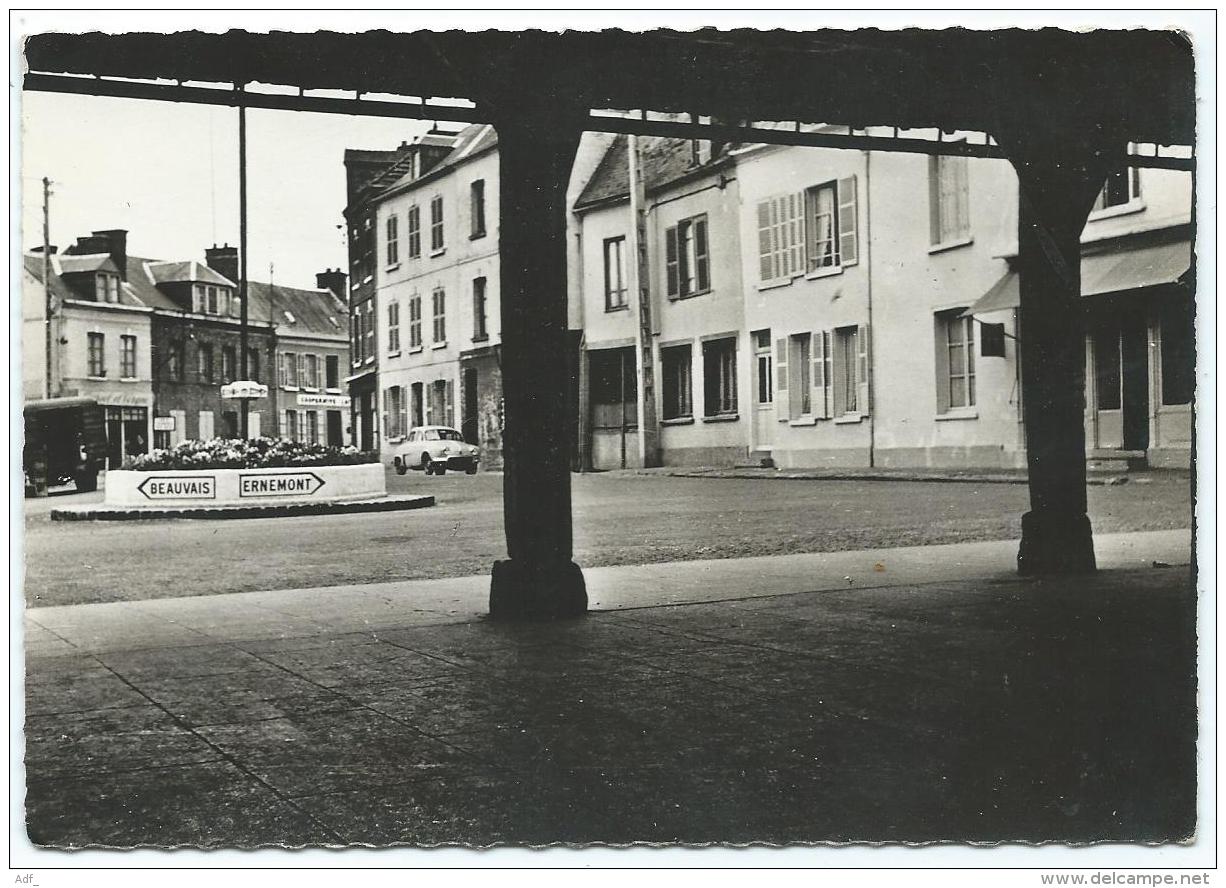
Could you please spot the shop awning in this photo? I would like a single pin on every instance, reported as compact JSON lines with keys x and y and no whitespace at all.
{"x":1103,"y":273}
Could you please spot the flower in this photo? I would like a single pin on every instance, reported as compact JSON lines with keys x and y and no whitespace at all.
{"x":235,"y":453}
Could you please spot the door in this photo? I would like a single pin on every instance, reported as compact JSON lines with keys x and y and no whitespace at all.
{"x":1121,"y":382}
{"x":366,"y":424}
{"x":114,"y":437}
{"x":335,"y":436}
{"x":470,"y":423}
{"x":613,"y":379}
{"x":764,"y":392}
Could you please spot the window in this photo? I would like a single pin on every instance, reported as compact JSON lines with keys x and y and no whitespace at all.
{"x":719,"y":377}
{"x":686,"y":258}
{"x":850,"y":371}
{"x":393,"y":240}
{"x":822,"y":227}
{"x":393,"y":416}
{"x":211,"y":304}
{"x":436,"y":224}
{"x":808,"y":232}
{"x":762,"y":349}
{"x":1107,"y":372}
{"x":415,"y":322}
{"x":393,"y":328}
{"x":127,"y":357}
{"x":289,"y":370}
{"x":799,"y":355}
{"x":310,"y":371}
{"x":227,"y":363}
{"x":1121,"y":188}
{"x":476,"y":196}
{"x":441,"y":406}
{"x":479,"y":331}
{"x":312,"y":427}
{"x":417,"y":405}
{"x":1178,"y":345}
{"x":368,"y":347}
{"x":355,"y":337}
{"x":204,"y":362}
{"x":253,"y":365}
{"x":414,"y":226}
{"x":106,"y":287}
{"x":614,"y":273}
{"x":174,"y":361}
{"x":97,"y":354}
{"x":440,"y":317}
{"x":948,"y":200}
{"x":289,"y":425}
{"x":675,"y":365}
{"x":332,"y":371}
{"x":955,"y":361}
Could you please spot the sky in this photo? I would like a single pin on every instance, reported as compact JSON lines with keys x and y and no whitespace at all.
{"x":168,"y":173}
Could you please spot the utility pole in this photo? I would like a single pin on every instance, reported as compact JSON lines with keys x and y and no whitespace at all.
{"x":242,"y":259}
{"x":645,"y":359}
{"x":48,"y":308}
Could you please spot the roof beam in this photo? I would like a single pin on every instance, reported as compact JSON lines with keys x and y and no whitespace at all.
{"x":132,"y":89}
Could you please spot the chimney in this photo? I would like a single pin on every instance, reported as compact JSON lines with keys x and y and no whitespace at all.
{"x":333,"y":280}
{"x":223,"y":260}
{"x":117,"y":245}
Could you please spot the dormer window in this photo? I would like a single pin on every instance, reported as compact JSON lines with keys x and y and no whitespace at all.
{"x":106,"y":287}
{"x":211,"y":299}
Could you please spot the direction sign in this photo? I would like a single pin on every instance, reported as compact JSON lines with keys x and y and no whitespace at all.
{"x":279,"y":484}
{"x":163,"y":487}
{"x":244,"y":388}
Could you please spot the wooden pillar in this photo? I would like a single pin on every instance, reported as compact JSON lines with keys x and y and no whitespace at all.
{"x":539,"y":581}
{"x":1058,"y":181}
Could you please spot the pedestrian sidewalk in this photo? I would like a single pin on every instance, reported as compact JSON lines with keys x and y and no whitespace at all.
{"x":887,"y":695}
{"x":968,"y":476}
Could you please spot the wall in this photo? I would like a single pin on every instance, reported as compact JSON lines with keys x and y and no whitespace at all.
{"x":806,"y":302}
{"x":193,"y":395}
{"x":33,"y":338}
{"x":912,"y":280}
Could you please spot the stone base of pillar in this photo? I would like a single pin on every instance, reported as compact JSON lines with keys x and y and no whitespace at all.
{"x":1055,"y":544}
{"x":518,"y":592}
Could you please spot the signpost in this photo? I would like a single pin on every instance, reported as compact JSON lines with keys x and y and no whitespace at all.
{"x":279,"y":484}
{"x":244,"y":390}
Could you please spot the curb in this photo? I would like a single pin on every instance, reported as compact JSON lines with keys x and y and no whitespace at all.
{"x":216,"y":513}
{"x":1104,"y":480}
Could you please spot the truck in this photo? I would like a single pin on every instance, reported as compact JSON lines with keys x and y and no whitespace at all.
{"x":65,"y":441}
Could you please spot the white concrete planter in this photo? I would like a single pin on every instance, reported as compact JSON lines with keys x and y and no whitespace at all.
{"x":238,"y":487}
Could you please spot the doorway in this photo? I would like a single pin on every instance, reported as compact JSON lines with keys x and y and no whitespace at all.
{"x":1121,"y":382}
{"x":335,"y":435}
{"x":470,"y":424}
{"x":613,"y":377}
{"x":764,"y":392}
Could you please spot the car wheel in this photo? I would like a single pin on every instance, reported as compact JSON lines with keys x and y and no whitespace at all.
{"x":471,"y":470}
{"x":401,"y":467}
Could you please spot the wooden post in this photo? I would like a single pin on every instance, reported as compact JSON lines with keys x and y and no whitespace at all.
{"x":539,"y":581}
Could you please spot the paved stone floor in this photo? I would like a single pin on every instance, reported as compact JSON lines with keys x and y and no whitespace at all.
{"x":966,"y":708}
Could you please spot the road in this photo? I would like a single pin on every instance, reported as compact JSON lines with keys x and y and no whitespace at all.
{"x":619,"y":519}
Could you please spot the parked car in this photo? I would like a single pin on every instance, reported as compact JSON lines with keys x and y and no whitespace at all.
{"x":435,"y":449}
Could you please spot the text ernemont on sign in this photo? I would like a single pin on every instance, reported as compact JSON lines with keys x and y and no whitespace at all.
{"x":283,"y":484}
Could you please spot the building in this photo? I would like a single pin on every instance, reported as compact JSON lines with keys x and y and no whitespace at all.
{"x":366,"y":174}
{"x":100,"y":334}
{"x":437,"y":290}
{"x":693,"y":330}
{"x":889,"y":279}
{"x":312,"y":352}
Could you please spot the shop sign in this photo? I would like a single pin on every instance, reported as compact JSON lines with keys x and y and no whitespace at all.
{"x":309,"y":400}
{"x":158,"y":487}
{"x":280,"y":484}
{"x":163,"y":423}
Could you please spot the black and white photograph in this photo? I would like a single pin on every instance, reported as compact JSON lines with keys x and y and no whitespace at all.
{"x":442,"y":437}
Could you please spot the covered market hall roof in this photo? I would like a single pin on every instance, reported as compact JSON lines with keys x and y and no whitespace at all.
{"x":1138,"y":83}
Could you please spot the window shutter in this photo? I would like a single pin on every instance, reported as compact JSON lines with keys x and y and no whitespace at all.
{"x":821,"y":404}
{"x":849,"y":253}
{"x":934,"y":199}
{"x":764,"y":241}
{"x":864,"y":368}
{"x":795,"y":226}
{"x":782,"y":400}
{"x":700,"y":254}
{"x":282,"y":422}
{"x":828,"y":356}
{"x":671,"y":251}
{"x":451,"y":402}
{"x":301,"y":371}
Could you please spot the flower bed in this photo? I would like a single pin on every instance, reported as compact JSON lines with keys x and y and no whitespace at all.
{"x":258,"y":453}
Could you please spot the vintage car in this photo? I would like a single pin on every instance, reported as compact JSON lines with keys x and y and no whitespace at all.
{"x":435,"y":449}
